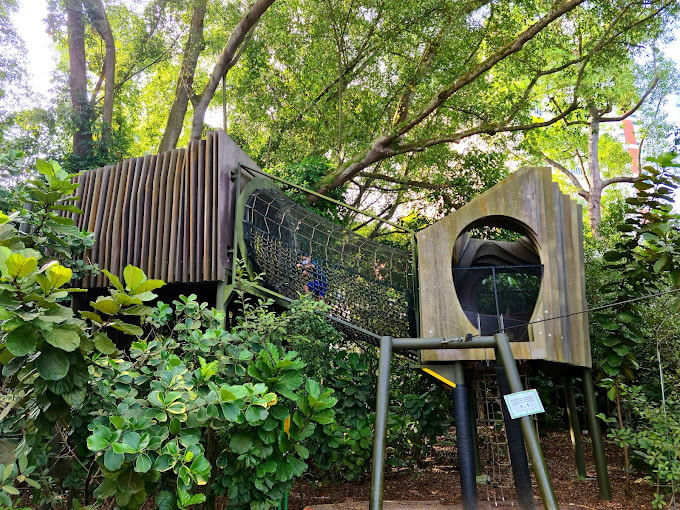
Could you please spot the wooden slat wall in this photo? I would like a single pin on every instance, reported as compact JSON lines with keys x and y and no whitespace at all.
{"x":170,"y":214}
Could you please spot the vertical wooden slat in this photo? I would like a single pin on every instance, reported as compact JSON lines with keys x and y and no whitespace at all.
{"x":190,"y":198}
{"x":199,"y":201}
{"x":182,"y":252}
{"x":214,"y":177}
{"x":159,"y":217}
{"x":145,"y":210}
{"x":92,"y":221}
{"x":116,"y":261}
{"x":131,"y":220}
{"x":222,"y":212}
{"x":81,"y":180}
{"x":207,"y":202}
{"x":167,"y":218}
{"x":175,"y":219}
{"x":107,"y":221}
{"x":125,"y":232}
{"x":154,"y":226}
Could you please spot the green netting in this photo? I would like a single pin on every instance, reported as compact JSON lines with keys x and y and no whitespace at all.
{"x":365,"y":283}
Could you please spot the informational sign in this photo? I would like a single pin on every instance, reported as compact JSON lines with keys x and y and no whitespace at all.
{"x":523,"y":403}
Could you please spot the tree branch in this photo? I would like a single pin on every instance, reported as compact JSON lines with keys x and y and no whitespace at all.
{"x":405,"y":182}
{"x":574,"y":180}
{"x":516,"y":45}
{"x":637,"y":105}
{"x":225,"y":62}
{"x":383,"y":147}
{"x":617,"y":180}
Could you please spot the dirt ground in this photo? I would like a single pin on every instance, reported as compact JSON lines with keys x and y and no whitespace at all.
{"x":438,"y":480}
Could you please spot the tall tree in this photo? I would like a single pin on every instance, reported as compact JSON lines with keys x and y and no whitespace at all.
{"x":194,"y":46}
{"x":616,"y":84}
{"x":382,"y":88}
{"x":185,"y":80}
{"x":590,"y":160}
{"x":84,"y":104}
{"x":12,"y":58}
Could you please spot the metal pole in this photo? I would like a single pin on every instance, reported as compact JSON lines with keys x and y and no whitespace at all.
{"x":464,"y":439}
{"x":596,"y":436}
{"x":516,"y":448}
{"x":504,"y":355}
{"x":574,"y":427}
{"x":472,"y":406}
{"x":379,"y":439}
{"x":416,"y":344}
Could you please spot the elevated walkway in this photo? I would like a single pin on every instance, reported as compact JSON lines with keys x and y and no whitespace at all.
{"x":367,"y":285}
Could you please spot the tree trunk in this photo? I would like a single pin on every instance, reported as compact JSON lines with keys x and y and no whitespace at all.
{"x":185,"y":81}
{"x":227,"y":60}
{"x":97,"y":14}
{"x":595,"y":197}
{"x":77,"y":80}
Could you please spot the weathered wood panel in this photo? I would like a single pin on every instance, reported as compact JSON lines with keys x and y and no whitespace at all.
{"x":170,"y":214}
{"x":528,"y":202}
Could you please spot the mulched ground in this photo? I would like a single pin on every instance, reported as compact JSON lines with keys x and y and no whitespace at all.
{"x":437,"y":480}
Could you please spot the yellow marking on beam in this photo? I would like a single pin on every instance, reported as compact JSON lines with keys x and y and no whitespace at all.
{"x":440,"y":377}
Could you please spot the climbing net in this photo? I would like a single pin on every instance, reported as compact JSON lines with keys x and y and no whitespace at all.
{"x":365,"y":283}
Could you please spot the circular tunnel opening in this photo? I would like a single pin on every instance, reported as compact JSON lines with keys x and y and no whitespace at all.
{"x":497,"y":274}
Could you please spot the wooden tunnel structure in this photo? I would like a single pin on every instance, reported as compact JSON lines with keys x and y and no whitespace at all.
{"x":550,"y":227}
{"x":187,"y":215}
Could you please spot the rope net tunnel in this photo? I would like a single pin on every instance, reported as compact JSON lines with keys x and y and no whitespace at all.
{"x":366,"y":284}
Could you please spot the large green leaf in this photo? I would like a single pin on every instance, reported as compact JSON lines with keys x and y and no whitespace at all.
{"x":63,"y":336}
{"x":114,"y":280}
{"x":103,"y":343}
{"x":112,"y":460}
{"x":134,"y":277}
{"x":324,"y":417}
{"x":232,"y":393}
{"x":143,"y":463}
{"x":255,"y":414}
{"x":59,"y":275}
{"x":148,"y":286}
{"x":127,"y":328}
{"x":19,"y":266}
{"x":105,"y":304}
{"x":241,"y":443}
{"x":22,"y":340}
{"x":52,"y":364}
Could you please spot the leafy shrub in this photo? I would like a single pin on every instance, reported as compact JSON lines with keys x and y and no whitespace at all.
{"x":652,"y":436}
{"x":188,"y":405}
{"x":418,"y":411}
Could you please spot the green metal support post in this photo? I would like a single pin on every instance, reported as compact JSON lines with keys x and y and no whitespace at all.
{"x":574,"y":427}
{"x":545,"y":487}
{"x":596,"y":436}
{"x":379,"y":439}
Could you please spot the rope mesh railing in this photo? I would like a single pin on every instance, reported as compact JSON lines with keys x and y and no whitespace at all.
{"x":365,"y":283}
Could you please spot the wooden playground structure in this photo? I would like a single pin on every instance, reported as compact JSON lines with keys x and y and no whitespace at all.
{"x":187,"y":216}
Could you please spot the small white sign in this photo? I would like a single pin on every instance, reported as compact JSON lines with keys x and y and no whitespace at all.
{"x":523,"y":403}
